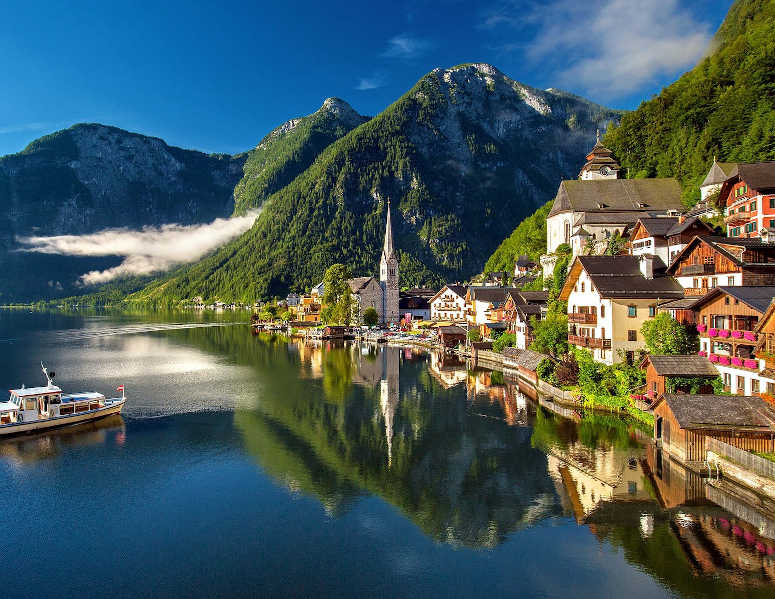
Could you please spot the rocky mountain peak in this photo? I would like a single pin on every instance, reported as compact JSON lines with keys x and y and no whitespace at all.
{"x":341,"y":110}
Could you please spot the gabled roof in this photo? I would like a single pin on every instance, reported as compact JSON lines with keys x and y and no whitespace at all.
{"x":459,"y":290}
{"x":618,"y":195}
{"x":708,"y":411}
{"x":620,"y":277}
{"x":684,"y":365}
{"x":540,"y":297}
{"x":358,"y":284}
{"x":451,"y":330}
{"x":722,"y":245}
{"x":768,"y":313}
{"x":525,"y":261}
{"x":756,"y":297}
{"x":608,"y":217}
{"x":719,"y":172}
{"x":687,"y":224}
{"x":489,"y":294}
{"x":685,"y":303}
{"x":657,"y":226}
{"x":759,"y":175}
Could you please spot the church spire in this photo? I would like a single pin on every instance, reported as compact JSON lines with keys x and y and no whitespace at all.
{"x":387,"y":249}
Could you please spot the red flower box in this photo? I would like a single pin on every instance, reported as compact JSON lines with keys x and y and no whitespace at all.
{"x":723,"y":360}
{"x":701,"y":328}
{"x":737,"y":334}
{"x":749,"y":335}
{"x":713,"y":358}
{"x":702,"y":353}
{"x":712,"y":332}
{"x":723,"y":333}
{"x":750,"y":364}
{"x":737,"y":361}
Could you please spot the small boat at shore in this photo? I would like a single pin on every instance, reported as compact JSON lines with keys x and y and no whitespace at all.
{"x":38,"y":408}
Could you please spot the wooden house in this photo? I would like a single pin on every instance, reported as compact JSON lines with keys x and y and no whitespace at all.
{"x":748,"y":199}
{"x":451,"y":336}
{"x":765,"y":349}
{"x":660,"y":369}
{"x":682,"y":422}
{"x":711,"y":261}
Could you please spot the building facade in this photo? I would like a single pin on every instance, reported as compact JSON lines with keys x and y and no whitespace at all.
{"x":748,"y":199}
{"x":449,"y":304}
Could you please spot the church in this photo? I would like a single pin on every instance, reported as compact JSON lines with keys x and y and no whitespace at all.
{"x":381,"y":295}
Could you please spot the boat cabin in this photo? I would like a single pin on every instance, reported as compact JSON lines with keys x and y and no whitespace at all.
{"x":41,"y":403}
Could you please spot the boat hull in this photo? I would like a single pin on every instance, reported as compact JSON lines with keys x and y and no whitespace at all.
{"x":20,"y":428}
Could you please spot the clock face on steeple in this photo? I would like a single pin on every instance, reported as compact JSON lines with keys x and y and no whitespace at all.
{"x":605,"y":171}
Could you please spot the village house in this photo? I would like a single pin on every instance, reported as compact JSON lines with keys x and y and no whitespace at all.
{"x":449,"y":304}
{"x":609,"y":298}
{"x":523,"y":266}
{"x":727,"y":319}
{"x":293,"y":299}
{"x":665,"y":236}
{"x":748,"y":199}
{"x":765,"y":350}
{"x":481,"y":300}
{"x":518,"y":310}
{"x":683,"y":422}
{"x":711,"y":261}
{"x":414,"y":304}
{"x":674,"y":374}
{"x":308,"y":309}
{"x":717,"y":175}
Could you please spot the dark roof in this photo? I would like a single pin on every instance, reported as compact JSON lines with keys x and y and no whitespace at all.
{"x":686,"y":224}
{"x":459,"y":290}
{"x":689,"y":365}
{"x":420,"y":291}
{"x":719,"y":172}
{"x":620,"y":276}
{"x":757,"y":297}
{"x":539,"y":297}
{"x":703,"y":411}
{"x":526,"y":310}
{"x":413,"y":302}
{"x":498,"y":325}
{"x":658,"y":227}
{"x":485,"y":293}
{"x":618,"y":194}
{"x":608,"y":217}
{"x":451,"y":330}
{"x":525,"y":261}
{"x":359,"y":283}
{"x":485,"y":345}
{"x":718,"y":243}
{"x":529,"y":359}
{"x":685,"y":303}
{"x":759,"y":175}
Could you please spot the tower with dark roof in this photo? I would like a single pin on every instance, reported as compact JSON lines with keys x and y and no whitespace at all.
{"x":601,"y":163}
{"x":388,"y":275}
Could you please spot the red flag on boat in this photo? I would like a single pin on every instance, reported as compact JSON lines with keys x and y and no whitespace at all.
{"x":120,"y":388}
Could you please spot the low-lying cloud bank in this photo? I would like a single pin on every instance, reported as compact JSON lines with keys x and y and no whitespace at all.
{"x":149,"y":250}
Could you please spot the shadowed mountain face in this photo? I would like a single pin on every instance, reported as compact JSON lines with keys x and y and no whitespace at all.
{"x":463,"y":156}
{"x":92,"y":177}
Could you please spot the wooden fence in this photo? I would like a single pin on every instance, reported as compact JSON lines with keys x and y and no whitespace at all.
{"x":748,"y":460}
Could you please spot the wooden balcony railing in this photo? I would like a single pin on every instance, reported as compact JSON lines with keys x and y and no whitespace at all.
{"x":697,"y":269}
{"x":589,"y":342}
{"x":582,"y":318}
{"x":738,"y":217}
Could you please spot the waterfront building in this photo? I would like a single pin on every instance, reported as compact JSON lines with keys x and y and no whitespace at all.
{"x":661,"y":369}
{"x":415,"y":303}
{"x":308,"y":309}
{"x":748,"y":199}
{"x":609,"y":298}
{"x":765,"y":349}
{"x":711,"y":261}
{"x":481,"y":300}
{"x":519,"y":309}
{"x":449,"y":304}
{"x":683,"y":422}
{"x":727,"y":320}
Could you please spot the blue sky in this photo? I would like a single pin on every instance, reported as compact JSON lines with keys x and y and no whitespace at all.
{"x":218,"y":76}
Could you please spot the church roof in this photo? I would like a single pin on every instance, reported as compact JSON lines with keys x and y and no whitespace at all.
{"x":358,"y":284}
{"x":388,"y":250}
{"x":719,"y":172}
{"x":637,"y":195}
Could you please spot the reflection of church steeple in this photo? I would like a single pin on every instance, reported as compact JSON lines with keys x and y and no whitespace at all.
{"x":389,"y":395}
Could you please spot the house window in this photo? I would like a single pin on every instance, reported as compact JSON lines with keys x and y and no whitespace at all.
{"x":630,"y":357}
{"x":730,"y":281}
{"x":602,"y":311}
{"x":602,"y":332}
{"x":582,"y":287}
{"x":632,"y":311}
{"x":741,"y":384}
{"x":754,"y":385}
{"x":772,"y":202}
{"x":726,"y":300}
{"x":654,"y":387}
{"x":652,"y":311}
{"x":772,"y":223}
{"x":695,"y":283}
{"x":727,"y":379}
{"x":753,"y":206}
{"x":632,"y":335}
{"x":591,"y":286}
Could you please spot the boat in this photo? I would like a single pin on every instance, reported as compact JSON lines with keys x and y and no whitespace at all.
{"x":31,"y":409}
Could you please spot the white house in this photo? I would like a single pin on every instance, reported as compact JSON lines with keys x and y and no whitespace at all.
{"x":449,"y":304}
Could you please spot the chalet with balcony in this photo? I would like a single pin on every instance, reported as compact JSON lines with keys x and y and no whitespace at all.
{"x":649,"y":236}
{"x":609,"y":298}
{"x":727,"y":320}
{"x":449,"y":304}
{"x":482,"y":300}
{"x":748,"y":199}
{"x":711,"y":261}
{"x":681,"y":233}
{"x":520,"y":308}
{"x":765,"y":350}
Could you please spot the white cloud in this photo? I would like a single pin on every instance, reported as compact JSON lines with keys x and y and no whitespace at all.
{"x":152,"y":249}
{"x":405,"y":46}
{"x":21,"y":127}
{"x":608,"y":47}
{"x":373,"y":82}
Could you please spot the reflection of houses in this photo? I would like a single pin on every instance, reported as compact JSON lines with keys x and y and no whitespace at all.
{"x":447,"y":369}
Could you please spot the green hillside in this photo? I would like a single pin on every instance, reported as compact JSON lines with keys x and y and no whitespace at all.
{"x":724,"y":107}
{"x":463,"y":157}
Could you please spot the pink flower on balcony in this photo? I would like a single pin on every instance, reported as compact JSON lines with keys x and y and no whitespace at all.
{"x":723,"y":360}
{"x":750,"y":364}
{"x":701,"y":328}
{"x":737,"y":334}
{"x":749,"y":335}
{"x":702,"y":353}
{"x":737,"y":361}
{"x":723,"y":333}
{"x":712,"y":332}
{"x":713,"y":358}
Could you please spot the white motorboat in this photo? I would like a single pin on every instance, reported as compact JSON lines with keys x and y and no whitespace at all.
{"x":38,"y":408}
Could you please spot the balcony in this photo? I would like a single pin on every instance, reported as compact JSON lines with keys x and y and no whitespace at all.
{"x":589,"y":342}
{"x":737,"y":218}
{"x":697,"y":269}
{"x":582,"y":318}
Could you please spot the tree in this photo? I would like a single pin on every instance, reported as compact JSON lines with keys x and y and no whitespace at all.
{"x":286,"y":316}
{"x":370,"y":316}
{"x":550,"y":334}
{"x":664,"y":335}
{"x":474,"y":335}
{"x":337,"y":295}
{"x":504,"y":341}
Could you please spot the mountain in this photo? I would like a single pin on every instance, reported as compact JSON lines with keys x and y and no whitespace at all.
{"x":91,"y":177}
{"x":463,"y":156}
{"x":290,"y":149}
{"x":724,"y":107}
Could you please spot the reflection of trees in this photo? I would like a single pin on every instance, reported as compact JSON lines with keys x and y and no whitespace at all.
{"x":338,"y":370}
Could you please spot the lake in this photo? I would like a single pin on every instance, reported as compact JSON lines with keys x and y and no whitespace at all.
{"x":253,"y":465}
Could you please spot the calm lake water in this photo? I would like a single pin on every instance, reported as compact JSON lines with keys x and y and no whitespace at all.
{"x":253,"y":466}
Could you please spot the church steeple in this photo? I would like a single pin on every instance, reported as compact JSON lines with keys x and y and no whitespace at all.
{"x":388,"y":274}
{"x":387,"y":247}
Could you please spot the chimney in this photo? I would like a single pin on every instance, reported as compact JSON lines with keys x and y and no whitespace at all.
{"x":647,"y":265}
{"x":681,"y":218}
